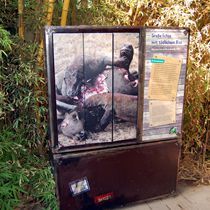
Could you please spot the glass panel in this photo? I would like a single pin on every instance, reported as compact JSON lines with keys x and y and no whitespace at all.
{"x":126,"y":57}
{"x":165,"y":60}
{"x":68,"y":55}
{"x":98,"y":100}
{"x":96,"y":81}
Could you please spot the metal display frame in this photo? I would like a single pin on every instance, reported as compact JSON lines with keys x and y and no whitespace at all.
{"x":146,"y":169}
{"x":49,"y":32}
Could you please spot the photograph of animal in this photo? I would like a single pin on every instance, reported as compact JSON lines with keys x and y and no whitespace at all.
{"x":96,"y":97}
{"x":117,"y":105}
{"x":85,"y":69}
{"x":71,"y":124}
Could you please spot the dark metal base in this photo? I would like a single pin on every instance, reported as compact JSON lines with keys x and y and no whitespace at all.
{"x":118,"y":176}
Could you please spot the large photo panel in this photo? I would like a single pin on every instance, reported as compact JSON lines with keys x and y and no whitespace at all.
{"x":96,"y":87}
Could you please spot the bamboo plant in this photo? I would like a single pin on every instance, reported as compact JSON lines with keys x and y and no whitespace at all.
{"x":41,"y":46}
{"x":20,"y":19}
{"x":65,"y":12}
{"x":48,"y":22}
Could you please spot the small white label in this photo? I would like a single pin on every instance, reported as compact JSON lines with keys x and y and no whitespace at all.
{"x":79,"y":186}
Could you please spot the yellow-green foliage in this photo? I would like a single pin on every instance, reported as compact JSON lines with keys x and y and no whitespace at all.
{"x":182,"y":13}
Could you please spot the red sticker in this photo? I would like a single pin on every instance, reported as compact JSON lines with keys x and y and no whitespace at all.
{"x":104,"y":197}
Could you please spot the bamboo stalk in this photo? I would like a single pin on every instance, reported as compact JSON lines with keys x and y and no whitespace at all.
{"x":20,"y":19}
{"x":50,"y":12}
{"x":138,"y":9}
{"x":50,"y":4}
{"x":48,"y":22}
{"x":65,"y":11}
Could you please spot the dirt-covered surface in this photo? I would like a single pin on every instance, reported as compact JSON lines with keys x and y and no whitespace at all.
{"x":67,"y":47}
{"x":121,"y":131}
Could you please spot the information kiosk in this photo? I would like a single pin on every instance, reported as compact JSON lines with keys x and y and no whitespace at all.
{"x":116,"y":99}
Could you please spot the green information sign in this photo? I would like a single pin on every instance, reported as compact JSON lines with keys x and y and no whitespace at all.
{"x":154,"y":60}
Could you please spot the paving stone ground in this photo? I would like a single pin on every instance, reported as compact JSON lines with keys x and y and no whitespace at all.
{"x":187,"y":198}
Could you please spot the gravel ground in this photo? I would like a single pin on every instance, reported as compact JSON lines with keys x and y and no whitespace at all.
{"x":121,"y":131}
